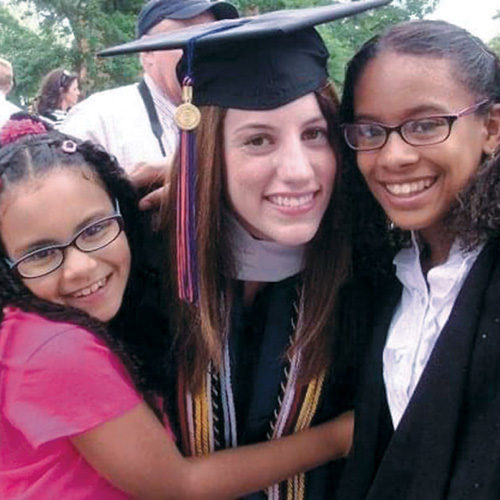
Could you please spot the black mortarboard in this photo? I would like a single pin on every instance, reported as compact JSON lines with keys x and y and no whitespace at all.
{"x":258,"y":62}
{"x":261,"y":62}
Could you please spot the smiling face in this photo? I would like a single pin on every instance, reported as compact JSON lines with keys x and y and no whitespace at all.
{"x":417,"y":186}
{"x":280,"y":170}
{"x":50,"y":210}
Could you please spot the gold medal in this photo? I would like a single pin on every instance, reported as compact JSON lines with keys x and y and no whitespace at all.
{"x":187,"y":116}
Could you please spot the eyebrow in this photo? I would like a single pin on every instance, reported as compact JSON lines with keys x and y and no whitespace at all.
{"x":424,"y":110}
{"x":264,"y":126}
{"x":44,"y":243}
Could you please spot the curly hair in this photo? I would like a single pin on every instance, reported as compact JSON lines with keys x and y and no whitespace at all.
{"x":139,"y":349}
{"x":476,"y":215}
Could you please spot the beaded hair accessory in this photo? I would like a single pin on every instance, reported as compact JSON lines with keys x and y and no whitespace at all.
{"x":20,"y":125}
{"x":68,"y":146}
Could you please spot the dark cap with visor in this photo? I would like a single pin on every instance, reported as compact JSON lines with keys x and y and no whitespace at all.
{"x":156,"y":11}
{"x":257,"y":62}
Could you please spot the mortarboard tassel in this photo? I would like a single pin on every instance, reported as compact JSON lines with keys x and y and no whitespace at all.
{"x":187,"y":117}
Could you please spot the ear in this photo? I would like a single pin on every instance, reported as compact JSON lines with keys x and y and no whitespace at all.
{"x":492,"y":142}
{"x":146,"y":59}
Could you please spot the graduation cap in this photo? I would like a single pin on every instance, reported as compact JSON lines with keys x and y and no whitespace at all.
{"x":257,"y":63}
{"x":247,"y":28}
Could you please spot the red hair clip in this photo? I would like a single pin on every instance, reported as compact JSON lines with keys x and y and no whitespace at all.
{"x":15,"y":129}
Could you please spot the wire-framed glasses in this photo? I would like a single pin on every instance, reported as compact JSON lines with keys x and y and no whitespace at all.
{"x":424,"y":131}
{"x":91,"y":238}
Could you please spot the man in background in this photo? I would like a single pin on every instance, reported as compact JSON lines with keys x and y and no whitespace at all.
{"x":6,"y":84}
{"x":135,"y":122}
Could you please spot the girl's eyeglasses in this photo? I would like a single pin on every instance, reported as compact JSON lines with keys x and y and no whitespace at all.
{"x":91,"y":238}
{"x":419,"y":132}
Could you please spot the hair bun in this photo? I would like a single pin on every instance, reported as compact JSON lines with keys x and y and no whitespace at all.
{"x":19,"y":125}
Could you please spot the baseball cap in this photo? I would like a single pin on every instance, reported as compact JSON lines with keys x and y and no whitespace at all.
{"x":156,"y":11}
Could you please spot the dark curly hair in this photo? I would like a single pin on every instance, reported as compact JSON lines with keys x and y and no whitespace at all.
{"x":139,"y":348}
{"x":476,"y":215}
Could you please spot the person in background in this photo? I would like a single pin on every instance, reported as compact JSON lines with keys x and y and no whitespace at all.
{"x":81,"y":414}
{"x":135,"y":122}
{"x":6,"y":84}
{"x":421,"y":113}
{"x":59,"y":92}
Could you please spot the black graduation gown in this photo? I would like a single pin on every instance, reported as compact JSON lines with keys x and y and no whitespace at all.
{"x":258,"y":339}
{"x":447,"y":445}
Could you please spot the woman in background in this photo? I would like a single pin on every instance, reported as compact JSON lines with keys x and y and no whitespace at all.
{"x":58,"y":93}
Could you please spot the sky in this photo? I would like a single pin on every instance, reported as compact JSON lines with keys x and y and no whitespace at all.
{"x":473,"y":15}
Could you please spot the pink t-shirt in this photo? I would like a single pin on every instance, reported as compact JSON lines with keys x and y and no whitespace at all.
{"x":56,"y":380}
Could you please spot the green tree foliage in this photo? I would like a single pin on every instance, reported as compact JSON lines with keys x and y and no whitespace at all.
{"x":68,"y":33}
{"x":31,"y":54}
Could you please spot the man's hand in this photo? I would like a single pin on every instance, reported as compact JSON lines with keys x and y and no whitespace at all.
{"x":153,"y":181}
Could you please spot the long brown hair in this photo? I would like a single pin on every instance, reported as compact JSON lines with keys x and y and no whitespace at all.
{"x":53,"y":86}
{"x":201,"y":330}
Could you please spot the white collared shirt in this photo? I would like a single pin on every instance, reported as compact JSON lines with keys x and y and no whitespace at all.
{"x":423,"y":311}
{"x":166,"y":111}
{"x":117,"y":119}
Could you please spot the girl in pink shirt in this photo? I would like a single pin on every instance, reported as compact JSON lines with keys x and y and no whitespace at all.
{"x":80,"y":413}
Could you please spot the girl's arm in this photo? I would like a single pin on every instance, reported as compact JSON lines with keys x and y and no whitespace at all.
{"x":135,"y":453}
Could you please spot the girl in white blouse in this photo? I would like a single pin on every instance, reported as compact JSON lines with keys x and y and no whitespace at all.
{"x":421,"y":115}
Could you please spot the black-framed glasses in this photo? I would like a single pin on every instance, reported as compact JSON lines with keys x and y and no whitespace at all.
{"x":424,"y":131}
{"x":91,"y":238}
{"x":64,"y":78}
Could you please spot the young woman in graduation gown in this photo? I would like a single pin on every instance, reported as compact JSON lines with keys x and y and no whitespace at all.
{"x":257,"y":354}
{"x":257,"y":231}
{"x":422,"y":114}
